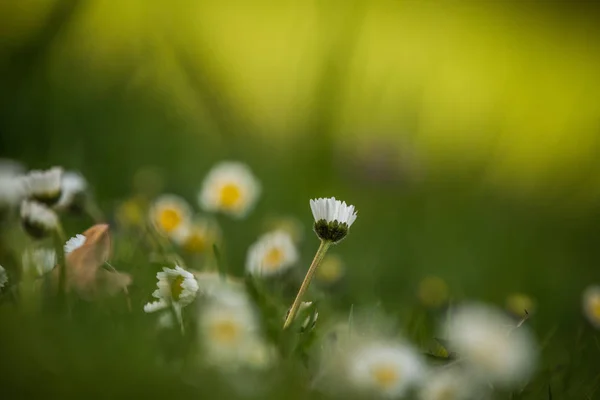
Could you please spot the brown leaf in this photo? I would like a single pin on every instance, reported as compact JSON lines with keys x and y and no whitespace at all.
{"x":84,"y":273}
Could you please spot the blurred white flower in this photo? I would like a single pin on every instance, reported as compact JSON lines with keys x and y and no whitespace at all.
{"x":175,"y":286}
{"x":45,"y":186}
{"x":169,"y":212}
{"x":447,"y":384}
{"x":74,"y":185}
{"x":230,"y":334}
{"x":591,"y":305}
{"x":490,"y":344}
{"x":12,"y":190}
{"x":384,"y":369}
{"x":38,"y":261}
{"x":74,"y":243}
{"x":38,"y":220}
{"x":230,"y":188}
{"x":272,"y":254}
{"x":10,"y":167}
{"x":333,"y":218}
{"x":197,"y":236}
{"x":3,"y":277}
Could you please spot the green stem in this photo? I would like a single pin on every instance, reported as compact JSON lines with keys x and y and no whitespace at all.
{"x":59,"y":242}
{"x":325,"y":244}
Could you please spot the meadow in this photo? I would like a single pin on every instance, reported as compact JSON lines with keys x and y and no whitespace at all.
{"x":461,"y":201}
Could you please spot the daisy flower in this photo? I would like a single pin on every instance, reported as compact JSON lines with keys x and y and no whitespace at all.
{"x":169,"y":213}
{"x":214,"y":286}
{"x":12,"y":189}
{"x":230,"y":333}
{"x":38,"y":261}
{"x":45,"y":186}
{"x":10,"y":167}
{"x":3,"y":277}
{"x":74,"y":243}
{"x":490,"y":345}
{"x":74,"y":187}
{"x":197,"y":236}
{"x":385,"y":369}
{"x":591,"y":305}
{"x":333,"y":218}
{"x":230,"y":188}
{"x":446,"y":384}
{"x":272,"y":254}
{"x":175,"y":286}
{"x":38,"y":220}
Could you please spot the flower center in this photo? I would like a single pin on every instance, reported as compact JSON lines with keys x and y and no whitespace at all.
{"x":195,"y":243}
{"x":385,"y":375}
{"x":169,"y":219}
{"x":225,"y":332}
{"x":595,"y":307}
{"x":273,"y":259}
{"x":176,"y":288}
{"x":446,"y":394}
{"x":230,"y":196}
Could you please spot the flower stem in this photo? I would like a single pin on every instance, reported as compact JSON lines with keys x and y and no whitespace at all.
{"x":324,"y":246}
{"x":59,"y":242}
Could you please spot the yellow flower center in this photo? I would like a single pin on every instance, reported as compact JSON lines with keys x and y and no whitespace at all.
{"x":447,"y":393}
{"x":230,"y":196}
{"x":273,"y":259}
{"x":225,"y":332}
{"x":169,"y":219}
{"x":195,"y":243}
{"x":176,"y":288}
{"x":595,"y":307}
{"x":385,"y":375}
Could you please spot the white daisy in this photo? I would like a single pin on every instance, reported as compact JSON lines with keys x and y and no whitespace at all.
{"x":490,"y":344}
{"x":333,"y":218}
{"x":386,"y":369}
{"x":74,"y":243}
{"x":175,"y":286}
{"x":230,"y":334}
{"x":3,"y":277}
{"x":219,"y":288}
{"x":230,"y":188}
{"x":38,"y":220}
{"x":591,"y":305}
{"x":169,"y":213}
{"x":12,"y":190}
{"x":74,"y":187}
{"x":38,"y":261}
{"x":447,"y":384}
{"x":197,"y":236}
{"x":273,"y":253}
{"x":10,"y":167}
{"x":45,"y":186}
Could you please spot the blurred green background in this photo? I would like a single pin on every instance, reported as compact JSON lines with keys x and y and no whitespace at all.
{"x":466,"y":134}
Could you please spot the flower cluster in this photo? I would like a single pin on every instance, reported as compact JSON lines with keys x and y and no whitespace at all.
{"x":239,"y":324}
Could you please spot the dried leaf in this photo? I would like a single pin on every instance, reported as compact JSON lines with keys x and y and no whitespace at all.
{"x":84,"y":273}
